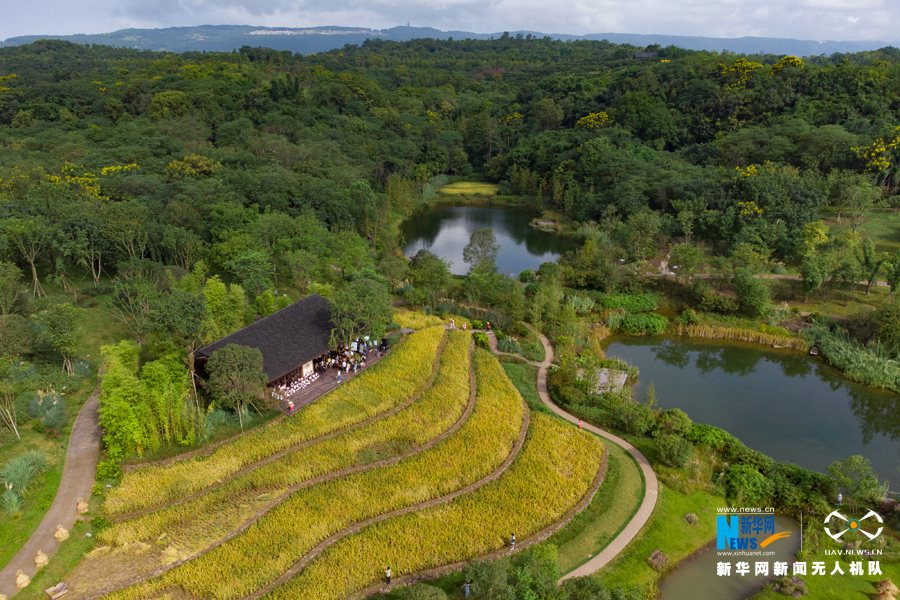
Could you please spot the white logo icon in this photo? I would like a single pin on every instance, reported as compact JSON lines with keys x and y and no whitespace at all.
{"x":853,"y":525}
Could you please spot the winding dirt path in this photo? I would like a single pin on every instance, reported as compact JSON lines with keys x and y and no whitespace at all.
{"x":470,"y":405}
{"x":77,"y":482}
{"x":296,"y":447}
{"x":651,"y":492}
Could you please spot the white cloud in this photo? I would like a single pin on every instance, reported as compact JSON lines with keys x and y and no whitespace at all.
{"x":801,"y":19}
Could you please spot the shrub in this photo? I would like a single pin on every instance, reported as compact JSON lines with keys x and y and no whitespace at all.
{"x":108,"y":470}
{"x":718,"y":303}
{"x":634,"y":417}
{"x":651,"y":324}
{"x":423,"y":591}
{"x":673,"y":421}
{"x":688,"y":317}
{"x":745,"y":486}
{"x":527,"y":276}
{"x":509,"y":345}
{"x":674,"y":450}
{"x":481,"y":340}
{"x":18,"y":473}
{"x":634,"y":303}
{"x":11,"y":501}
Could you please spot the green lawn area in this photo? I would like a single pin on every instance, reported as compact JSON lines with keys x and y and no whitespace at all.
{"x":524,"y":377}
{"x":470,"y":188}
{"x":838,"y":303}
{"x":612,"y":508}
{"x":667,"y":531}
{"x":882,"y":225}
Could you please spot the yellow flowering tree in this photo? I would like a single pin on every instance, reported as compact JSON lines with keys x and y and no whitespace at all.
{"x":592,"y":121}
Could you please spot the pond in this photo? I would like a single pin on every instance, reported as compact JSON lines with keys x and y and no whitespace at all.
{"x":445,"y":231}
{"x":696,"y":579}
{"x":790,"y":406}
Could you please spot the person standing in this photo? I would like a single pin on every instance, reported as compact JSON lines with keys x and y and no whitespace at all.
{"x":488,"y":325}
{"x":579,"y":424}
{"x":339,"y":376}
{"x":387,"y":575}
{"x":466,"y":589}
{"x":452,"y":323}
{"x":512,"y":541}
{"x":840,"y":499}
{"x":465,"y":325}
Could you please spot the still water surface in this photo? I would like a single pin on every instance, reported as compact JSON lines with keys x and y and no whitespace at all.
{"x":445,"y":231}
{"x":696,"y":579}
{"x":790,"y":406}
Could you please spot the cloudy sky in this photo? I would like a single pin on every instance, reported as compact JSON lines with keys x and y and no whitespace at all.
{"x":840,"y":20}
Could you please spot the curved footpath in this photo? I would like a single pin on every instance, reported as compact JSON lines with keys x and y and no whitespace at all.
{"x":77,"y":482}
{"x":652,"y":485}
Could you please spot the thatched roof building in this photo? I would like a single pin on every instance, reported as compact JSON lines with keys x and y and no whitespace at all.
{"x":289,"y":339}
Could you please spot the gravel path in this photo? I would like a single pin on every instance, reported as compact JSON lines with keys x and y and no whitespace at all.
{"x":652,"y":485}
{"x":77,"y":482}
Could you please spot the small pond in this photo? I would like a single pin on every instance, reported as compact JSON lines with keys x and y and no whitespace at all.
{"x":696,"y":579}
{"x":790,"y":406}
{"x":445,"y":231}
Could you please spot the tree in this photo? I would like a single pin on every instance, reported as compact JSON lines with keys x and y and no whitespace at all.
{"x":236,"y":377}
{"x":481,"y":251}
{"x":547,"y":114}
{"x":179,"y":318}
{"x":430,"y":273}
{"x":59,"y":326}
{"x":361,"y":305}
{"x":225,"y":308}
{"x":133,"y":302}
{"x":869,"y":262}
{"x":860,"y":200}
{"x":10,"y":288}
{"x":892,"y":273}
{"x":751,"y":292}
{"x":855,"y":475}
{"x":687,"y":258}
{"x":254,"y":269}
{"x":31,"y":236}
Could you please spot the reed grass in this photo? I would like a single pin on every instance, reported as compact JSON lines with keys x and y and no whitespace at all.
{"x":737,"y":334}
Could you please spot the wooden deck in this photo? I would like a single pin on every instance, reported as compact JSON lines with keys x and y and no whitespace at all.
{"x":326,"y":382}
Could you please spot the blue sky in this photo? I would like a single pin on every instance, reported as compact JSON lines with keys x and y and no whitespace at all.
{"x":840,"y":20}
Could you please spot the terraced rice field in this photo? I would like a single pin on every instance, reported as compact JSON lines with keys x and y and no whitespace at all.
{"x":435,"y":460}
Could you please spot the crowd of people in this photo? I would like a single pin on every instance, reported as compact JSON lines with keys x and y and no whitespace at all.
{"x":347,"y":358}
{"x":283,"y":391}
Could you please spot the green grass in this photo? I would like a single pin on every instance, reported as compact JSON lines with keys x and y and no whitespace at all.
{"x":470,"y":188}
{"x":666,"y":531}
{"x":15,"y":530}
{"x":524,"y":377}
{"x":100,"y":328}
{"x":882,"y":225}
{"x":612,"y":508}
{"x":69,"y":553}
{"x":838,"y":303}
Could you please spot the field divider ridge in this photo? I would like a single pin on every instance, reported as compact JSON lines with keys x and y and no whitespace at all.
{"x":470,"y":405}
{"x":296,"y":447}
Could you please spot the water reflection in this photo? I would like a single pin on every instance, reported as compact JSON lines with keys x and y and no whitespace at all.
{"x":791,"y":406}
{"x":445,"y":230}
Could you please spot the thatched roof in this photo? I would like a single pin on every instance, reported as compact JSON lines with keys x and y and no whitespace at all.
{"x":287,"y":338}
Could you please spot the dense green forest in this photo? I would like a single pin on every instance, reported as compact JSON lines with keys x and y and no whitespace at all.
{"x":187,"y":186}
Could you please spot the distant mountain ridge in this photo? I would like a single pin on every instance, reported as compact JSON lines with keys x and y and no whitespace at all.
{"x":306,"y":40}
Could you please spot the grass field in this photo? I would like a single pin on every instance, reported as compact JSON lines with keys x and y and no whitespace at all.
{"x":469,"y":188}
{"x":882,"y":225}
{"x":667,"y":531}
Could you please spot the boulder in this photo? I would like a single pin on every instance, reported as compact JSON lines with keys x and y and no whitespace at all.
{"x":658,"y":560}
{"x":62,"y":534}
{"x":41,"y":560}
{"x":887,"y":586}
{"x":22,"y":580}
